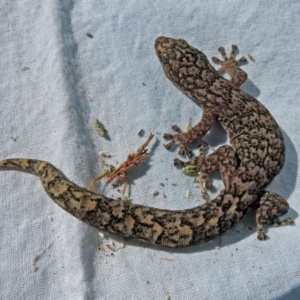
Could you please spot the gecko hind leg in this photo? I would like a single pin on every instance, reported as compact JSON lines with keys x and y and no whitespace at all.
{"x":230,"y":66}
{"x":223,"y":159}
{"x":270,"y":207}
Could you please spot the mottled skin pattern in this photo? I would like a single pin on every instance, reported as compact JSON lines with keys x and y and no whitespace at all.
{"x":257,"y":151}
{"x":256,"y":156}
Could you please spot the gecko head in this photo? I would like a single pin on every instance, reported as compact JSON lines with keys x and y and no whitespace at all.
{"x":170,"y":53}
{"x":182,"y":63}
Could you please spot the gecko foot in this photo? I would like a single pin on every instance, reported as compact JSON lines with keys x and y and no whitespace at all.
{"x":271,"y":207}
{"x":180,"y":163}
{"x":230,"y":66}
{"x":176,"y":138}
{"x":193,"y":166}
{"x":261,"y":235}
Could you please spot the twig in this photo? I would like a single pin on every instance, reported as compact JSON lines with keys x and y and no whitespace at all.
{"x":132,"y":160}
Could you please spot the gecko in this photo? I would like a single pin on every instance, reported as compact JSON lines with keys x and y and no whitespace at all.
{"x":254,"y":157}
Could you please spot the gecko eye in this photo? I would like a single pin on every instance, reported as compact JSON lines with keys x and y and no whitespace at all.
{"x":182,"y":43}
{"x":164,"y":57}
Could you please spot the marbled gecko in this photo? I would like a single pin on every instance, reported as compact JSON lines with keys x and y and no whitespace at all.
{"x":255,"y":157}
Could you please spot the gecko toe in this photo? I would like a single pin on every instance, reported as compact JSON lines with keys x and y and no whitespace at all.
{"x":169,"y":145}
{"x":178,"y":163}
{"x":176,"y":128}
{"x":284,"y":222}
{"x":168,"y":136}
{"x":185,"y":151}
{"x":261,"y":236}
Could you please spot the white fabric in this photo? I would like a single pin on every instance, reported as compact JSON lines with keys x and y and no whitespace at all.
{"x":47,"y":112}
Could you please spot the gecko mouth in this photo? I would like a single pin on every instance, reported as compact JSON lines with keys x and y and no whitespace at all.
{"x":163,"y":48}
{"x":162,"y":44}
{"x":160,"y":40}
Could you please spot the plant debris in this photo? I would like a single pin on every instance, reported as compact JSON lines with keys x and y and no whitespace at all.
{"x":25,"y":68}
{"x":106,"y":172}
{"x":88,"y":34}
{"x":126,"y":199}
{"x":99,"y":127}
{"x":104,"y":155}
{"x":251,"y":57}
{"x":188,"y":193}
{"x":36,"y":257}
{"x":188,"y":126}
{"x":120,"y":173}
{"x":154,"y":193}
{"x":191,"y":170}
{"x":132,"y":160}
{"x":141,"y":132}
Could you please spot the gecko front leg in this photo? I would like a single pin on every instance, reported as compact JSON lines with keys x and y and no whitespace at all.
{"x":194,"y":134}
{"x":230,"y":66}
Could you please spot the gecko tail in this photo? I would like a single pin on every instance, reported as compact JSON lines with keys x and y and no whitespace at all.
{"x":33,"y":166}
{"x":29,"y":165}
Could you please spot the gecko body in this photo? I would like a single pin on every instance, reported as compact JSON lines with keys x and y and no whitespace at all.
{"x":255,"y":157}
